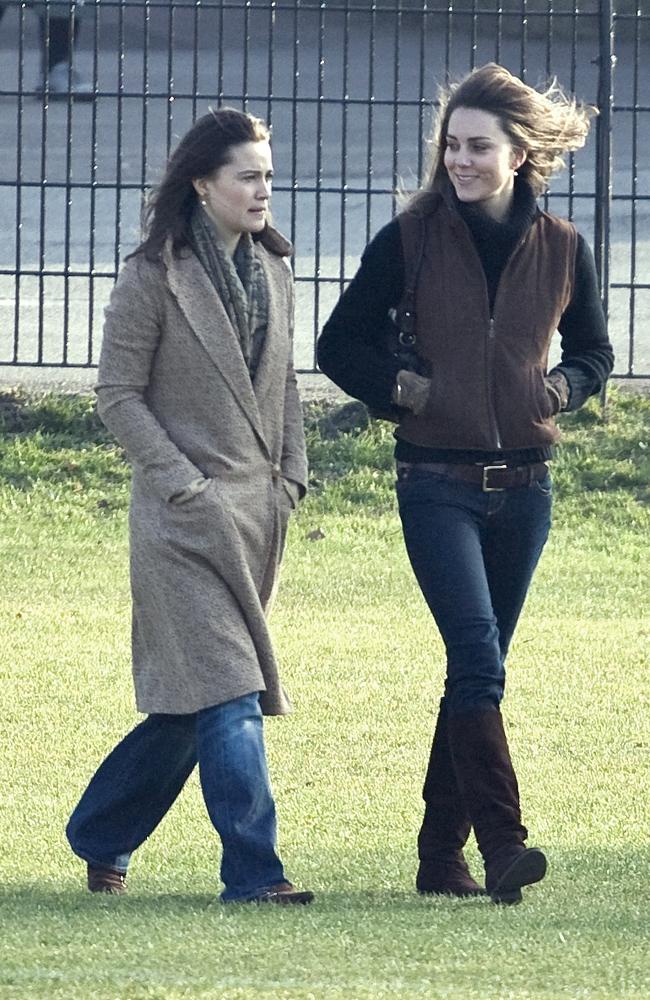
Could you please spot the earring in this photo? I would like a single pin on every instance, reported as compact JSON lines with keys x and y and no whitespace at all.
{"x":515,"y":172}
{"x":204,"y":202}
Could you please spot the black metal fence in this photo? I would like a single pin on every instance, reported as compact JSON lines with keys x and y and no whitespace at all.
{"x":348,"y":87}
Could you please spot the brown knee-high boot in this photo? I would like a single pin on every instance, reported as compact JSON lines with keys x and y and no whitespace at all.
{"x":446,"y":824}
{"x":487,"y":779}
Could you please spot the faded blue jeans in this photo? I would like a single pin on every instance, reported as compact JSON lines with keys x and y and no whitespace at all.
{"x":474,"y":554}
{"x":141,"y":778}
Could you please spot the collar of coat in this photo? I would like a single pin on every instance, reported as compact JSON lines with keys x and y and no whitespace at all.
{"x":273,"y":240}
{"x":208,"y":319}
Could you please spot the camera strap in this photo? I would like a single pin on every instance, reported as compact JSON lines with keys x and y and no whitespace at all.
{"x":405,"y":312}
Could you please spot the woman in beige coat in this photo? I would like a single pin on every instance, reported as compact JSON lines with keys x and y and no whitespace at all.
{"x":196,"y":381}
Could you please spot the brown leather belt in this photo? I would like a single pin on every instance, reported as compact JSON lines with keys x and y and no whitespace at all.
{"x":491,"y":478}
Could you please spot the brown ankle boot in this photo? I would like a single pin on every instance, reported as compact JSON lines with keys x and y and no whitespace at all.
{"x":102,"y":878}
{"x":489,"y":785}
{"x":284,"y":894}
{"x":446,"y":825}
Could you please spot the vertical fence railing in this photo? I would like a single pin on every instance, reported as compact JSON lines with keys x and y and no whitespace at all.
{"x":349,"y":87}
{"x":603,"y":175}
{"x":629,"y":278}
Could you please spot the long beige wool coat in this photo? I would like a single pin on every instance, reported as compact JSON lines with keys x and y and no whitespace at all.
{"x":175,"y":390}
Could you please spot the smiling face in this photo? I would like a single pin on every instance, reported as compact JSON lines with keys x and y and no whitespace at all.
{"x":480,"y":160}
{"x":237,"y":195}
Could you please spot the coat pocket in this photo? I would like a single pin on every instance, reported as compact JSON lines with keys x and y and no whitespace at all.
{"x":540,"y":399}
{"x":290,"y":493}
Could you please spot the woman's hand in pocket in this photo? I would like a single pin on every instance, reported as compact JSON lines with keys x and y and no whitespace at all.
{"x":292,"y":491}
{"x":190,"y":491}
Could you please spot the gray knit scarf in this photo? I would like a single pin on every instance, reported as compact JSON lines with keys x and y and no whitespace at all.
{"x":240,"y":283}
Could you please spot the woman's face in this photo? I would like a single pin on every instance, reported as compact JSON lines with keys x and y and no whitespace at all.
{"x":481,"y":160}
{"x":237,"y":195}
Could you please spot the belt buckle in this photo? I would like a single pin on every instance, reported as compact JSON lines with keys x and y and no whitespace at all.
{"x":484,"y":484}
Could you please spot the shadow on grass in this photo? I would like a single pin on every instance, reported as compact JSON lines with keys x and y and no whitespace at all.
{"x":612,"y":879}
{"x":144,"y":897}
{"x":31,"y":904}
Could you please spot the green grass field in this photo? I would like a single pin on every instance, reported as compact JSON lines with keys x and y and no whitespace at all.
{"x":364,"y":666}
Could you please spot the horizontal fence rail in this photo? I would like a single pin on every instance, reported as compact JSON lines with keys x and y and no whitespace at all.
{"x":94,"y":95}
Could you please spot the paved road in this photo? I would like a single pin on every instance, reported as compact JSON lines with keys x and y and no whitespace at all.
{"x":120,"y":143}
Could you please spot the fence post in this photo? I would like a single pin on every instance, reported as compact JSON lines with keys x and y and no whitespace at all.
{"x":603,"y":187}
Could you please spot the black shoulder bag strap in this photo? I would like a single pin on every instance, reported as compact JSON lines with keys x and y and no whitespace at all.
{"x":405,"y":311}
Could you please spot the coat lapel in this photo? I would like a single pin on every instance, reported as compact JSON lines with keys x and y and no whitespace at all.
{"x":272,"y":368}
{"x":206,"y":315}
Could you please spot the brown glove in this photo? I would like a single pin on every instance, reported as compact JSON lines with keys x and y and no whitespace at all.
{"x":411,"y":391}
{"x":557,"y":388}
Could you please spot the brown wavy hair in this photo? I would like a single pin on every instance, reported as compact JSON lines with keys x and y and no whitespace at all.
{"x":545,"y":124}
{"x":202,"y":150}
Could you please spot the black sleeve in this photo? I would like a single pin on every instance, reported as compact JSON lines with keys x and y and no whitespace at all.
{"x":351,"y":349}
{"x":587,"y":355}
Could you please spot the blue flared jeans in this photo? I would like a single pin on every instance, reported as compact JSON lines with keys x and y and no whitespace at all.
{"x":473,"y":554}
{"x":141,"y":778}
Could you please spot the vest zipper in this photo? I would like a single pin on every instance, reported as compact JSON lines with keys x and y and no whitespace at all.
{"x":489,"y":375}
{"x":491,"y":345}
{"x":491,"y":333}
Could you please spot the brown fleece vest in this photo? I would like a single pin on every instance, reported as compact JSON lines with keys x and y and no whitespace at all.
{"x":487,"y":371}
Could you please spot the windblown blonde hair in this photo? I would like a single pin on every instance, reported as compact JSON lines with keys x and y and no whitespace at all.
{"x":545,"y":124}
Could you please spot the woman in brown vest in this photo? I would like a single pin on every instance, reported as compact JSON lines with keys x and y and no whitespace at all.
{"x":476,"y":279}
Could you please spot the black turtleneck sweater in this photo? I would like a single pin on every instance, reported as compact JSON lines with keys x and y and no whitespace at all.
{"x":496,"y":241}
{"x":351,"y":347}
